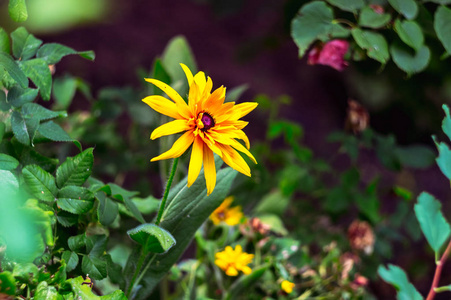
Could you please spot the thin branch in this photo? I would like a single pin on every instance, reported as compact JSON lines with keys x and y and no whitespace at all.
{"x":438,"y":271}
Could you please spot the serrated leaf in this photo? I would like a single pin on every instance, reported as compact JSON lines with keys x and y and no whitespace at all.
{"x":96,"y":245}
{"x":17,"y":10}
{"x":95,"y":267}
{"x":5,"y":45}
{"x":25,"y":45}
{"x":18,"y":96}
{"x":442,"y":26}
{"x":54,"y":132}
{"x":410,"y":33}
{"x":19,"y":128}
{"x":75,"y":170}
{"x":107,"y":209}
{"x":38,"y":71}
{"x":8,"y":162}
{"x":67,"y":219}
{"x":408,"y":8}
{"x":348,"y":5}
{"x":374,"y":43}
{"x":40,"y":183}
{"x":11,"y":67}
{"x":369,"y":18}
{"x":34,"y":110}
{"x":75,"y":199}
{"x":46,"y":292}
{"x":398,"y":278}
{"x":71,"y":259}
{"x":446,"y":124}
{"x":77,"y":243}
{"x":432,"y":222}
{"x":409,"y":62}
{"x":52,"y":53}
{"x":154,"y":239}
{"x":444,"y":158}
{"x":314,"y":20}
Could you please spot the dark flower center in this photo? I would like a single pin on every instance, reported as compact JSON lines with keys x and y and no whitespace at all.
{"x":207,"y":120}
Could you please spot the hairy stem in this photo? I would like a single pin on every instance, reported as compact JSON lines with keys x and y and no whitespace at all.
{"x":142,"y":258}
{"x":438,"y":271}
{"x":166,"y":191}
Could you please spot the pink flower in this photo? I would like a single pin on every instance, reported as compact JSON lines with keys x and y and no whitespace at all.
{"x":377,"y":8}
{"x":330,"y":54}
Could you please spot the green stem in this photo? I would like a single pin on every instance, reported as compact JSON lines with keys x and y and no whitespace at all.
{"x":166,"y":191}
{"x":141,"y":260}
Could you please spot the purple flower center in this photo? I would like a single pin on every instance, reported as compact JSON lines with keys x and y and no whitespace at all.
{"x":207,"y":120}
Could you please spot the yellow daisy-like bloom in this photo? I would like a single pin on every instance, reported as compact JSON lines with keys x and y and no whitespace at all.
{"x":287,"y":286}
{"x":210,"y":125}
{"x":231,"y":261}
{"x":224,"y":213}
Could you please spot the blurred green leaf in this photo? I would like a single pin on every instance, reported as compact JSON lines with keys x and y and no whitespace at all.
{"x":386,"y":152}
{"x":337,"y":200}
{"x":54,"y":132}
{"x":26,"y":272}
{"x":64,"y":90}
{"x":374,"y":43}
{"x":52,"y":53}
{"x":2,"y":131}
{"x":77,"y":243}
{"x":442,"y":26}
{"x":444,"y":158}
{"x":408,"y":62}
{"x":234,"y":94}
{"x":152,"y":238}
{"x":40,"y":183}
{"x":38,"y":71}
{"x":75,"y":199}
{"x":75,"y":170}
{"x":125,"y":197}
{"x":398,"y":278}
{"x":107,"y":209}
{"x":11,"y":67}
{"x":147,"y":205}
{"x":8,"y":162}
{"x":446,"y":123}
{"x":348,"y":5}
{"x":5,"y":45}
{"x":432,"y":222}
{"x":18,"y":10}
{"x":18,"y":96}
{"x":410,"y":33}
{"x":369,"y":18}
{"x":7,"y":283}
{"x":244,"y":283}
{"x":275,"y":223}
{"x":71,"y":259}
{"x":25,"y":45}
{"x":273,"y":203}
{"x":416,"y":156}
{"x":46,"y":292}
{"x":408,"y":8}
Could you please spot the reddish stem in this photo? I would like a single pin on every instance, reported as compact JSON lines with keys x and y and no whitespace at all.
{"x":438,"y":271}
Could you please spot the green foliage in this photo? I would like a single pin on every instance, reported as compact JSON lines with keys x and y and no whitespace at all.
{"x":374,"y":43}
{"x":397,"y":277}
{"x":18,"y":10}
{"x":442,"y":26}
{"x":152,"y":238}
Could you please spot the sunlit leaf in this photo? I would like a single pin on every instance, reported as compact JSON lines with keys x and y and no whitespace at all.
{"x":41,"y":184}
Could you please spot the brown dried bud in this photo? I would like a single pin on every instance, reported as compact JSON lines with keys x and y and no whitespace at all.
{"x":361,"y":236}
{"x":52,"y":69}
{"x":358,"y":118}
{"x":253,"y":227}
{"x":348,"y":260}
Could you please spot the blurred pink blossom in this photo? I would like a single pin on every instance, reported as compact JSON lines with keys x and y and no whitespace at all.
{"x":330,"y":54}
{"x":377,"y":8}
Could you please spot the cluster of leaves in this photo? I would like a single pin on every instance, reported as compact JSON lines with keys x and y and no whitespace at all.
{"x":413,"y":23}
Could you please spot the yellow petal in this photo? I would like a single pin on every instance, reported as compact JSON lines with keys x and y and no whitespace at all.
{"x":195,"y":163}
{"x":209,"y":169}
{"x":200,"y":80}
{"x":246,"y":270}
{"x":179,"y":147}
{"x":215,"y":100}
{"x":172,"y":127}
{"x":231,"y":271}
{"x":234,"y":160}
{"x":242,"y":109}
{"x":243,"y":149}
{"x":163,"y":106}
{"x":188,"y":73}
{"x":193,"y":98}
{"x":181,"y":104}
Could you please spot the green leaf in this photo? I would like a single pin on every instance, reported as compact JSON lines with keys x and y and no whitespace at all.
{"x":79,"y":288}
{"x":25,"y":45}
{"x":444,"y":2}
{"x":10,"y":66}
{"x":8,"y":162}
{"x":77,"y":243}
{"x":71,"y":259}
{"x":52,"y":53}
{"x":125,"y":196}
{"x":442,"y":26}
{"x":34,"y":110}
{"x":444,"y":158}
{"x":398,"y":278}
{"x":432,"y":223}
{"x":95,"y":267}
{"x":107,"y":209}
{"x":186,"y":210}
{"x":369,"y":18}
{"x":75,"y":199}
{"x":348,"y":5}
{"x":5,"y":45}
{"x":147,"y":205}
{"x":314,"y":21}
{"x":75,"y":170}
{"x":46,"y":292}
{"x":416,"y":156}
{"x":446,"y":124}
{"x":408,"y":62}
{"x":18,"y":96}
{"x":67,"y":219}
{"x":116,"y":295}
{"x":245,"y":283}
{"x":54,"y":132}
{"x":374,"y":43}
{"x":64,"y":91}
{"x":19,"y":128}
{"x":274,"y":222}
{"x":17,"y":10}
{"x":7,"y":283}
{"x":26,"y":272}
{"x":408,"y":8}
{"x":8,"y":183}
{"x":410,"y":33}
{"x":40,"y":183}
{"x":154,"y":239}
{"x":273,"y":203}
{"x":2,"y":130}
{"x":38,"y":71}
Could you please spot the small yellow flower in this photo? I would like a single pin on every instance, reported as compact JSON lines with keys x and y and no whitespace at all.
{"x":287,"y":286}
{"x":224,"y":213}
{"x":231,"y":261}
{"x":209,"y":124}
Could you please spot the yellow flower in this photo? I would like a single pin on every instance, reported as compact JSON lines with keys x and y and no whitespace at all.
{"x":287,"y":286}
{"x":231,"y":261}
{"x":230,"y":215}
{"x":208,"y":123}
